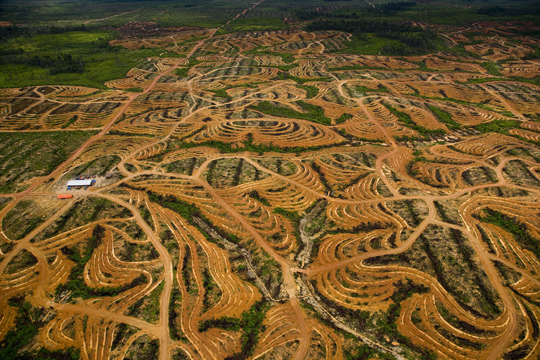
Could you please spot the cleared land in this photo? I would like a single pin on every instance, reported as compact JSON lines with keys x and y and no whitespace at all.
{"x":266,"y":195}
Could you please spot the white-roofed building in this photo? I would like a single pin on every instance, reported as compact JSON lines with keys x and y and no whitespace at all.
{"x":88,"y":182}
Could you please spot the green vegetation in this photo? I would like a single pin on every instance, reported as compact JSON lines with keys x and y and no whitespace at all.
{"x":225,"y":323}
{"x":382,"y":326}
{"x":445,"y":117}
{"x":315,"y":113}
{"x":174,"y":310}
{"x":511,"y":225}
{"x":189,"y":212}
{"x":251,"y":324}
{"x":26,"y":328}
{"x":407,"y":121}
{"x":299,"y":80}
{"x":83,"y":212}
{"x":387,"y":325}
{"x":21,"y":220}
{"x":76,"y":284}
{"x":356,"y":67}
{"x":221,"y":93}
{"x":286,"y":57}
{"x":255,"y":195}
{"x":311,"y":91}
{"x":364,"y":89}
{"x":450,"y":258}
{"x":364,"y":352}
{"x":99,"y":166}
{"x":492,"y":68}
{"x":27,"y":155}
{"x":147,"y":216}
{"x":248,"y":145}
{"x":497,"y":126}
{"x":4,"y":201}
{"x":70,"y":58}
{"x":390,"y":38}
{"x":291,"y":215}
{"x":319,"y":172}
{"x":210,"y":288}
{"x":151,"y":311}
{"x":343,"y":117}
{"x":261,"y":22}
{"x":70,"y":122}
{"x":182,"y":72}
{"x":442,"y":213}
{"x":185,"y":209}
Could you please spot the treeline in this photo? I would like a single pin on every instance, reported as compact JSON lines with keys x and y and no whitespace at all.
{"x":385,"y":9}
{"x":26,"y":328}
{"x":59,"y":64}
{"x":411,"y":39}
{"x":501,"y":11}
{"x":8,"y":32}
{"x":393,"y":6}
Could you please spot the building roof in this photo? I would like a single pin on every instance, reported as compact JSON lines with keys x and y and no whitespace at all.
{"x":80,"y":182}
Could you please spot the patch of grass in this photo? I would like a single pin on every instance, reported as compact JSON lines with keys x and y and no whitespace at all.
{"x":445,"y":117}
{"x":291,"y":215}
{"x":182,"y":72}
{"x":255,"y":194}
{"x":492,"y":68}
{"x":221,"y":93}
{"x":387,"y":325}
{"x":226,"y":148}
{"x":27,"y":155}
{"x":497,"y":126}
{"x":70,"y":122}
{"x":315,"y":113}
{"x":342,"y":118}
{"x":311,"y":91}
{"x":152,"y":310}
{"x":259,"y":23}
{"x":251,"y":324}
{"x":82,"y":58}
{"x":364,"y":89}
{"x":147,"y":216}
{"x":408,"y":122}
{"x":511,"y":225}
{"x":225,"y":323}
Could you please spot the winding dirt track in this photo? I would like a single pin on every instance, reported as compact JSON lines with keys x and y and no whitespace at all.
{"x":288,"y":276}
{"x":162,"y":329}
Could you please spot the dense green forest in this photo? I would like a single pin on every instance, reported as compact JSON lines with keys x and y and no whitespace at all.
{"x":68,"y":42}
